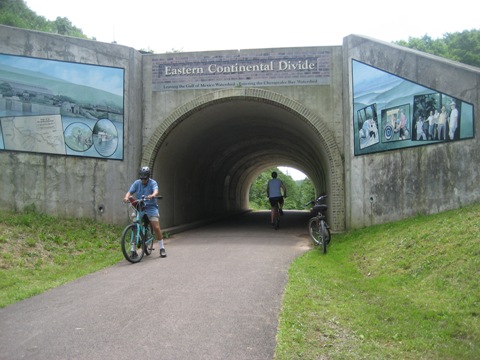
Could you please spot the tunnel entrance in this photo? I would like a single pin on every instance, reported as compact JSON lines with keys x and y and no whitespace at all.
{"x":206,"y":155}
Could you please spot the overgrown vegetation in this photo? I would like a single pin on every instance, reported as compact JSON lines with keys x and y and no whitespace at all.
{"x":460,"y":46}
{"x":298,"y":192}
{"x":39,"y":252}
{"x":16,"y":13}
{"x":404,"y":290}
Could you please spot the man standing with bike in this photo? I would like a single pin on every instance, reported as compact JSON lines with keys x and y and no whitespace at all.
{"x":274,"y":193}
{"x":145,"y":186}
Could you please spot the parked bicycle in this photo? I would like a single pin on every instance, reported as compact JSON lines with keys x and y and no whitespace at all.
{"x":137,"y":237}
{"x":317,"y":225}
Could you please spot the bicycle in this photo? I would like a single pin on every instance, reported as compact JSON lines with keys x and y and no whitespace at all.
{"x":276,"y":215}
{"x":138,"y":237}
{"x":317,"y":225}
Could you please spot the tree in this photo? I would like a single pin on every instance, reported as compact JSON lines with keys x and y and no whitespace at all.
{"x":299,"y":192}
{"x":6,"y":89}
{"x":63,"y":26}
{"x":16,"y":13}
{"x":460,"y":46}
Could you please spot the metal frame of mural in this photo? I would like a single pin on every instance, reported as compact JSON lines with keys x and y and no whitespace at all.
{"x":63,"y":108}
{"x":410,"y":114}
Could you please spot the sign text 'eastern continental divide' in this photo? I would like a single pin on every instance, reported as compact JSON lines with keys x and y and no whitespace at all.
{"x":180,"y":72}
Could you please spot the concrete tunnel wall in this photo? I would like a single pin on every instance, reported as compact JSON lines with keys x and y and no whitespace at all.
{"x":392,"y":185}
{"x":69,"y":186}
{"x":207,"y":147}
{"x":210,"y":158}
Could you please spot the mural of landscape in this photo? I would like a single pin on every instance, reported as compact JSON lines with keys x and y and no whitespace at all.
{"x":393,"y":113}
{"x":62,"y":108}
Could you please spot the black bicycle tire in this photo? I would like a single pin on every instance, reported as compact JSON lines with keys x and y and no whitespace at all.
{"x":126,"y":244}
{"x":277,"y":218}
{"x":324,"y":235}
{"x":314,"y":231}
{"x":149,"y":245}
{"x":329,"y":234}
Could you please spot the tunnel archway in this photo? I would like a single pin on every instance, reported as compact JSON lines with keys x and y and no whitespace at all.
{"x":206,"y":154}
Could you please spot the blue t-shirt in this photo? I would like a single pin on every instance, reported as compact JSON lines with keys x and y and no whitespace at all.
{"x":137,"y":188}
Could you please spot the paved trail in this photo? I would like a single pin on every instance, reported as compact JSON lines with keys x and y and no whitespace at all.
{"x":216,"y":296}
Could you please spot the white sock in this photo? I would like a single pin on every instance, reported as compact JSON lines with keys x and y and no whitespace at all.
{"x":160,"y":243}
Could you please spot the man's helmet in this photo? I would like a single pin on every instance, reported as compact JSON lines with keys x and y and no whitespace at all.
{"x":144,"y":172}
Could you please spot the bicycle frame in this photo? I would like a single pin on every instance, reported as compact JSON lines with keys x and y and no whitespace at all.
{"x":137,"y":237}
{"x":139,"y":220}
{"x":276,"y":215}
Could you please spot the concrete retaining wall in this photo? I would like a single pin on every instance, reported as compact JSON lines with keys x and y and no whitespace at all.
{"x":379,"y":187}
{"x":392,"y":185}
{"x":68,"y":186}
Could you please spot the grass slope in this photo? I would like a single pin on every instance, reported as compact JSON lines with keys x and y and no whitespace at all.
{"x":39,"y":252}
{"x":404,"y":290}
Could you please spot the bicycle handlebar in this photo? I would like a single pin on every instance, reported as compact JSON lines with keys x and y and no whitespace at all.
{"x":320,"y":198}
{"x":142,"y":199}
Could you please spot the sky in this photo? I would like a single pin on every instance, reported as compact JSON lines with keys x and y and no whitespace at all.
{"x":195,"y":25}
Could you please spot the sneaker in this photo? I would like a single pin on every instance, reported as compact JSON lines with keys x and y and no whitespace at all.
{"x":280,"y":211}
{"x":133,"y":255}
{"x":163,"y":253}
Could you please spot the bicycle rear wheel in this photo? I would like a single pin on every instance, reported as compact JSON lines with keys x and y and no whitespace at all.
{"x":149,"y":239}
{"x":314,"y":231}
{"x":277,"y":218}
{"x":132,"y":245}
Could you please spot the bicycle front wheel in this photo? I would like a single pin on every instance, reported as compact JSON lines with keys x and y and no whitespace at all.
{"x":149,"y":239}
{"x":132,"y":245}
{"x":325,"y":236}
{"x":314,"y":231}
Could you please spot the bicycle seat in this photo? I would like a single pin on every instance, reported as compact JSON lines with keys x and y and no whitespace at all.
{"x":321,"y":208}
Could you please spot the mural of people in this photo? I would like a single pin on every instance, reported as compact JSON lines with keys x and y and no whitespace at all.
{"x":369,"y":130}
{"x":436,"y":115}
{"x":431,"y":126}
{"x":419,"y":126}
{"x":453,"y":120}
{"x":442,"y":122}
{"x":403,"y":126}
{"x":368,"y":126}
{"x":400,"y":104}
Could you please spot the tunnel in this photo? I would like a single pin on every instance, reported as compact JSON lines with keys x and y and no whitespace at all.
{"x":206,"y":155}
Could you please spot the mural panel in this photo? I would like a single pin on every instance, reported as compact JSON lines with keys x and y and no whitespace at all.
{"x":393,"y":113}
{"x":63,"y":108}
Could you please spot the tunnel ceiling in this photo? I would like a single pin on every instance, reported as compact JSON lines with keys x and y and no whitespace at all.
{"x":234,"y":141}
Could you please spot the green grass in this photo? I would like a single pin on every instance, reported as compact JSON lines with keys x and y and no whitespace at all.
{"x":39,"y":252}
{"x":404,"y":290}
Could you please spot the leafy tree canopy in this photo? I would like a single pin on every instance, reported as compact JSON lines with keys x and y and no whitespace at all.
{"x":460,"y":46}
{"x":16,"y":13}
{"x":298,"y":192}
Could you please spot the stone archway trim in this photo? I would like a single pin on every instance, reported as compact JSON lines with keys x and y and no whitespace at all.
{"x":326,"y":137}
